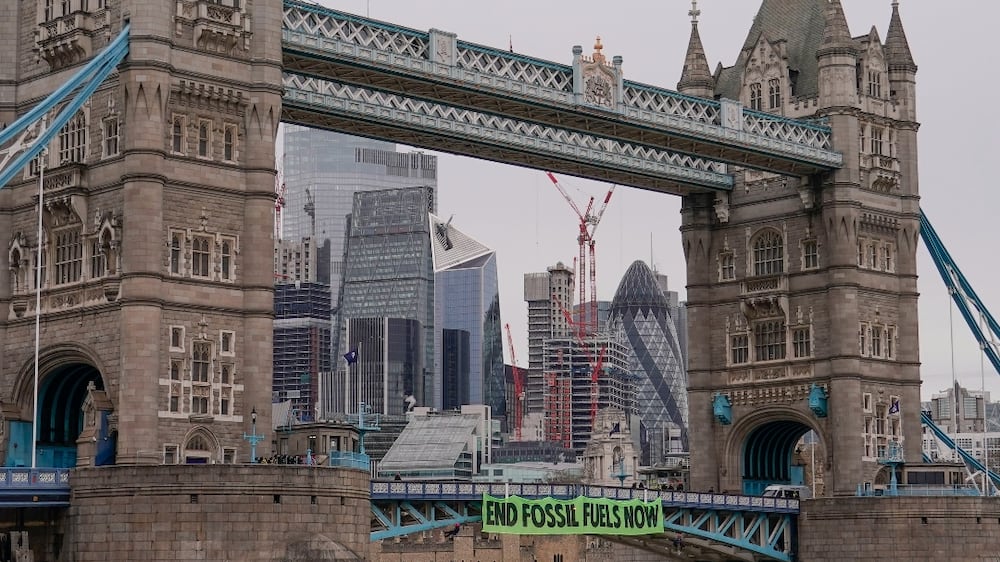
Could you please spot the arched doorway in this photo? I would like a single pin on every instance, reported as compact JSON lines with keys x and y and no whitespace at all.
{"x":768,"y":453}
{"x":60,"y":419}
{"x":200,"y":447}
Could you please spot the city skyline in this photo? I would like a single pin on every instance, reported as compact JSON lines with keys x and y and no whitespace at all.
{"x":640,"y":224}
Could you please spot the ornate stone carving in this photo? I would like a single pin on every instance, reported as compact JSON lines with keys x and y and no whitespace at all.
{"x":443,"y":47}
{"x":216,"y":28}
{"x":759,"y":396}
{"x":69,"y":39}
{"x":722,"y":207}
{"x":595,"y":81}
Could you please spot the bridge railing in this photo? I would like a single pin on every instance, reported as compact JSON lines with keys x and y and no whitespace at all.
{"x":348,"y":459}
{"x":33,"y":478}
{"x":465,"y":491}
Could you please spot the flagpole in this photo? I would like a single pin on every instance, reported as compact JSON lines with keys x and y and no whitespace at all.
{"x":347,"y":374}
{"x":38,"y":309}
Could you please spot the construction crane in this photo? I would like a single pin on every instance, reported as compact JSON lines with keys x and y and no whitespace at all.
{"x":595,"y":365}
{"x":585,"y":238}
{"x":279,"y":201}
{"x":518,"y":387}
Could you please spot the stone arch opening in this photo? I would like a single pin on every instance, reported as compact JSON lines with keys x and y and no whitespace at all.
{"x":200,"y":447}
{"x":61,"y":421}
{"x":768,"y":455}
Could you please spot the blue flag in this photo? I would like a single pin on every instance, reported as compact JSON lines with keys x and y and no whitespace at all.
{"x":351,"y":356}
{"x":617,"y":428}
{"x":894,"y":408}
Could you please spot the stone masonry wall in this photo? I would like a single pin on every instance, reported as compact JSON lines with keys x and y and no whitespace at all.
{"x":911,"y":529}
{"x":216,"y":512}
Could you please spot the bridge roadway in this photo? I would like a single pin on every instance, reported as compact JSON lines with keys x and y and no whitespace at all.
{"x":362,"y":76}
{"x":726,"y":525}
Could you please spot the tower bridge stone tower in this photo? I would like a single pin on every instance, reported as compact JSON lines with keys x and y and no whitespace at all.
{"x":156,"y":247}
{"x":802,"y":294}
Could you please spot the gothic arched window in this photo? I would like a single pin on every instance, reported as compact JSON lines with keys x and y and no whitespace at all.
{"x":768,"y":253}
{"x":73,"y":140}
{"x":774,"y":92}
{"x":756,"y":96}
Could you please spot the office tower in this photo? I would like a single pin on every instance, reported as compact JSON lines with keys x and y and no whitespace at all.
{"x":466,"y":299}
{"x":322,"y":172}
{"x":545,"y":320}
{"x":301,"y":352}
{"x":389,"y":273}
{"x":387,"y":362}
{"x":641,"y":312}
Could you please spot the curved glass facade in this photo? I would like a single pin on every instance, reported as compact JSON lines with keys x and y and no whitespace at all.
{"x":641,"y":311}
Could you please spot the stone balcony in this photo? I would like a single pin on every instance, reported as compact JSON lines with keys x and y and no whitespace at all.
{"x":881,"y":172}
{"x":765,"y":285}
{"x":69,"y":39}
{"x":216,"y":27}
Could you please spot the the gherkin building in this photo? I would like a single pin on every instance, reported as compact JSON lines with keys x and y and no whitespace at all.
{"x":641,"y":313}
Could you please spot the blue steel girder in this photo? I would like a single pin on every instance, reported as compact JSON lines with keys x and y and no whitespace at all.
{"x":397,"y":518}
{"x":363,"y":111}
{"x":767,"y":535}
{"x":323,"y":42}
{"x":31,"y":133}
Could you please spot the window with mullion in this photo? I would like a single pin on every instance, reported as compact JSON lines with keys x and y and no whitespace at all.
{"x":69,"y":256}
{"x":769,"y":340}
{"x":201,"y":357}
{"x":768,"y":254}
{"x":200,"y":254}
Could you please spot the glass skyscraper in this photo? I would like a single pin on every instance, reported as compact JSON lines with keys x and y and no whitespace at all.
{"x":322,"y":172}
{"x":389,"y":273}
{"x":466,"y":299}
{"x":641,"y":311}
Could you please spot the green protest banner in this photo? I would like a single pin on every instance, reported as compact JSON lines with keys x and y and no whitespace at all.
{"x":578,"y":516}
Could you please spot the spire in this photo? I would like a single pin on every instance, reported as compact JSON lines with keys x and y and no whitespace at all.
{"x":696,"y":78}
{"x":836,"y":33}
{"x":897,"y":49}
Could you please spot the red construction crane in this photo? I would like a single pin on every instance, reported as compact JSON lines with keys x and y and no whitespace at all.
{"x":518,"y":387}
{"x":595,"y":365}
{"x":585,"y":239}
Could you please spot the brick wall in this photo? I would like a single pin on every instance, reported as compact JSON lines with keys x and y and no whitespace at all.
{"x":911,"y":529}
{"x":216,"y":512}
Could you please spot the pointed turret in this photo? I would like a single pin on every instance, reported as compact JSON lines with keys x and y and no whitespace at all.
{"x":897,"y":49}
{"x":838,"y":59}
{"x":696,"y":79}
{"x":836,"y":33}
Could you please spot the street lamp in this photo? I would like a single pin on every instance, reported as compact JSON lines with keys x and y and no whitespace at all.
{"x":253,"y":438}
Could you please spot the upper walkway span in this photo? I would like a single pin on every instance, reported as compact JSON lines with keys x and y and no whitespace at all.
{"x":357,"y":75}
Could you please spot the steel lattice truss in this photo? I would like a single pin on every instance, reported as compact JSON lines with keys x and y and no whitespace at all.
{"x":715,"y":526}
{"x":768,"y":535}
{"x":353,"y":109}
{"x":398,"y":518}
{"x":435,"y":66}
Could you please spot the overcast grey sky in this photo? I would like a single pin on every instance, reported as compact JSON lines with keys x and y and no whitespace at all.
{"x":531,"y":227}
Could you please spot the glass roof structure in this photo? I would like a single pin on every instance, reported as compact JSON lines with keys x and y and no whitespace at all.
{"x":434,"y":446}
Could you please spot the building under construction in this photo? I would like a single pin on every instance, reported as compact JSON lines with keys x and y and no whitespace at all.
{"x":574,"y":370}
{"x":301,"y":345}
{"x":545,"y":320}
